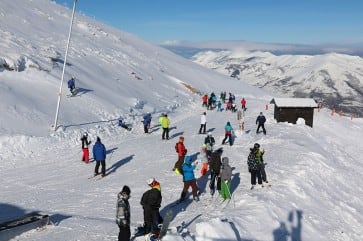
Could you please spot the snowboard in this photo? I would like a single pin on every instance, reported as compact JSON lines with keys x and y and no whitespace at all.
{"x":165,"y":226}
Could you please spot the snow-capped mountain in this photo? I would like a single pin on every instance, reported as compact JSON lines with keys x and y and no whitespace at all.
{"x":335,"y":79}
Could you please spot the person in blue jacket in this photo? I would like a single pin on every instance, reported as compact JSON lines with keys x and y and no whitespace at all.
{"x":99,"y":154}
{"x":72,"y":86}
{"x":147,"y":122}
{"x":261,"y":119}
{"x":189,"y":179}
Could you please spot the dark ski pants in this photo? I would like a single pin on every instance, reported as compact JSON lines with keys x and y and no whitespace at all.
{"x":263,"y":173}
{"x":263,"y":128}
{"x":152,"y":219}
{"x":256,"y":174}
{"x":103,"y":167}
{"x":146,"y":128}
{"x":124,"y":233}
{"x":229,"y":136}
{"x":202,"y":127}
{"x":179,"y":163}
{"x":213,"y":178}
{"x":187,"y":184}
{"x":165,"y":133}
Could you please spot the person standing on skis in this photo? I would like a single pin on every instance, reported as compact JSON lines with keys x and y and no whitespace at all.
{"x":215,"y":169}
{"x":254,"y":168}
{"x":99,"y":154}
{"x":261,"y":119}
{"x":72,"y":85}
{"x":146,"y":122}
{"x":189,"y":179}
{"x":85,"y":144}
{"x":228,"y":134}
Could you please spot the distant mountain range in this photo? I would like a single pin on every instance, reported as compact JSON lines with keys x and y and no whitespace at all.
{"x":332,"y":78}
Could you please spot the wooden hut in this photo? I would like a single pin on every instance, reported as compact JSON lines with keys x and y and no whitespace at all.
{"x":290,"y":109}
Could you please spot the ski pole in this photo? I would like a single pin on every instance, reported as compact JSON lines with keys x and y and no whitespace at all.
{"x":229,"y":192}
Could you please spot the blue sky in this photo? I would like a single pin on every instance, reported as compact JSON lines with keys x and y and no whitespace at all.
{"x":269,"y":21}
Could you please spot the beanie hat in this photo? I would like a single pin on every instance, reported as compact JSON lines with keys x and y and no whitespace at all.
{"x":256,"y":146}
{"x":85,"y":134}
{"x":126,"y":190}
{"x":181,"y":137}
{"x":98,"y":138}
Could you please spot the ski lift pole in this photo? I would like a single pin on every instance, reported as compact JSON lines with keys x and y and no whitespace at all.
{"x":64,"y":66}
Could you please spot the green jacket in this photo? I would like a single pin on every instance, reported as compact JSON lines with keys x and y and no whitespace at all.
{"x":259,"y":155}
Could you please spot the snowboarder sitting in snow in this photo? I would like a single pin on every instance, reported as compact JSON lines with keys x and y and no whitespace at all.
{"x":226,"y":176}
{"x":85,"y":144}
{"x":122,"y":124}
{"x":146,"y":122}
{"x":151,"y":202}
{"x":189,"y":179}
{"x":123,"y":214}
{"x":72,"y":86}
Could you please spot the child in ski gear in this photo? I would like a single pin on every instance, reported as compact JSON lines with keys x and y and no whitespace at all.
{"x":146,"y":122}
{"x":99,"y":154}
{"x":182,"y":151}
{"x":254,"y":168}
{"x":226,"y":176}
{"x":259,"y":155}
{"x":204,"y":168}
{"x":203,"y":123}
{"x":219,"y":105}
{"x":228,"y":134}
{"x":151,"y":202}
{"x":85,"y":144}
{"x":205,"y":100}
{"x":261,"y":119}
{"x":72,"y":85}
{"x":209,"y":142}
{"x":215,"y":169}
{"x":165,"y":123}
{"x":189,"y":179}
{"x":123,"y":214}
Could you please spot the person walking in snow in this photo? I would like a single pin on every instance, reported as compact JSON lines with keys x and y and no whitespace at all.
{"x":215,"y":164}
{"x":259,"y":155}
{"x":228,"y":130}
{"x":146,"y":122}
{"x":123,"y":214}
{"x":189,"y":179}
{"x":226,"y":177}
{"x":203,"y":123}
{"x":209,"y":142}
{"x":99,"y":155}
{"x":243,"y":104}
{"x":72,"y":86}
{"x":182,"y":151}
{"x":151,"y":203}
{"x":261,"y":119}
{"x":254,"y":167}
{"x":85,"y":144}
{"x":165,"y":123}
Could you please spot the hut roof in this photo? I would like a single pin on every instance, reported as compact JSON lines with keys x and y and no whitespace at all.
{"x":294,"y":102}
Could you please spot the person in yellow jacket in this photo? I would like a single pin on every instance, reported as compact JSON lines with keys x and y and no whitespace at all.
{"x":165,"y":123}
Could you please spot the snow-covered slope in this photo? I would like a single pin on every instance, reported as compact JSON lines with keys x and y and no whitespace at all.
{"x":335,"y":79}
{"x":314,"y":172}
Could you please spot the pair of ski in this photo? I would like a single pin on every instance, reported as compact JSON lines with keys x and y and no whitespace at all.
{"x":99,"y":176}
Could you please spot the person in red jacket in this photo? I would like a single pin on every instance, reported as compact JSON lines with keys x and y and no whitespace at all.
{"x":182,"y":151}
{"x":243,"y":103}
{"x":205,"y":100}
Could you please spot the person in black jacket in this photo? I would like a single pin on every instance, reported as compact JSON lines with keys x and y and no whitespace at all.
{"x":215,"y":164}
{"x":123,"y":214}
{"x":151,"y":202}
{"x":261,"y":119}
{"x":85,"y":144}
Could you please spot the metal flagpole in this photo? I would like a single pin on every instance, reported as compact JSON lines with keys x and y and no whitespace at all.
{"x":64,"y":66}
